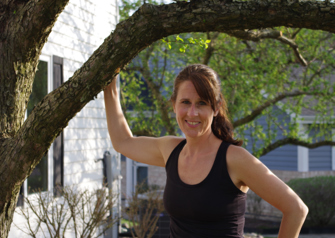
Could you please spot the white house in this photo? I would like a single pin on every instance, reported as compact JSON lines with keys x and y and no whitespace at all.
{"x":71,"y":160}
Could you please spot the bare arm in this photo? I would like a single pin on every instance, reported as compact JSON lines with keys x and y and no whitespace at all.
{"x":148,"y":150}
{"x":254,"y":174}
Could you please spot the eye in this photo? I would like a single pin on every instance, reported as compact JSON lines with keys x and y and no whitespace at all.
{"x":202,"y":103}
{"x":185,"y":102}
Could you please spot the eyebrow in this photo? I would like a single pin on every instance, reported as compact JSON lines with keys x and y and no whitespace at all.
{"x":199,"y":99}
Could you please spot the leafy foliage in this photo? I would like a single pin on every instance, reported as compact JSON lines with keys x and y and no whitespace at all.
{"x":270,"y":83}
{"x":319,"y":195}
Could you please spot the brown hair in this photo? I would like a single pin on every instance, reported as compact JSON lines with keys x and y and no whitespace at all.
{"x":207,"y":84}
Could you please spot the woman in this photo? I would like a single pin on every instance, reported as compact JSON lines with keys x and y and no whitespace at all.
{"x":208,"y":174}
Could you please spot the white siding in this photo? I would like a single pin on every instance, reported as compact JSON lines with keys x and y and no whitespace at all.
{"x":78,"y":32}
{"x":80,"y":29}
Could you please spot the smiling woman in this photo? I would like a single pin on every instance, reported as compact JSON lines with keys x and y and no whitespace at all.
{"x":208,"y":173}
{"x":203,"y":83}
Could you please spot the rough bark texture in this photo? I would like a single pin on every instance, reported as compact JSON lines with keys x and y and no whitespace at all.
{"x":24,"y":27}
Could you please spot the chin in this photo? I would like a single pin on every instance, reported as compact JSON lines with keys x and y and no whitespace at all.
{"x":192,"y":134}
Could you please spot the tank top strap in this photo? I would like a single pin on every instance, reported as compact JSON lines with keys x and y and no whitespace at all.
{"x":172,"y":161}
{"x":220,"y":165}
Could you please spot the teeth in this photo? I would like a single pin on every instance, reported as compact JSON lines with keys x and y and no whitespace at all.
{"x":193,"y":123}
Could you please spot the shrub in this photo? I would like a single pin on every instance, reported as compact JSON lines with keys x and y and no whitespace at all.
{"x":143,"y":212}
{"x":319,"y":195}
{"x":82,"y":212}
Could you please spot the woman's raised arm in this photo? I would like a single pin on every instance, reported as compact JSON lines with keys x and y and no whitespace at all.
{"x":148,"y":150}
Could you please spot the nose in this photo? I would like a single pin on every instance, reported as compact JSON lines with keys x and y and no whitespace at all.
{"x":192,"y":111}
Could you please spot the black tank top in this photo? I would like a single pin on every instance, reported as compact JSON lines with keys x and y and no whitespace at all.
{"x":214,"y":207}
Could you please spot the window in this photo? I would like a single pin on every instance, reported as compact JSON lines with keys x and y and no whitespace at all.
{"x":136,"y":173}
{"x":142,"y":176}
{"x":38,"y":180}
{"x":48,"y":173}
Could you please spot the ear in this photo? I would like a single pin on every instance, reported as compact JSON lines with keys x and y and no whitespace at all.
{"x":174,"y":106}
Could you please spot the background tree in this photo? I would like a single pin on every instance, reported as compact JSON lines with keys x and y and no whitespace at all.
{"x":264,"y":74}
{"x":25,"y":26}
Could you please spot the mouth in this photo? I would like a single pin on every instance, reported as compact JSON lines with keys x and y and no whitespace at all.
{"x":193,"y":123}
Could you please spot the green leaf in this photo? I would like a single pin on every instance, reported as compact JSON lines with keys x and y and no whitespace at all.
{"x":179,"y":39}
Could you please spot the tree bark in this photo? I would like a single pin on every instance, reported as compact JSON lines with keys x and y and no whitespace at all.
{"x":24,"y":28}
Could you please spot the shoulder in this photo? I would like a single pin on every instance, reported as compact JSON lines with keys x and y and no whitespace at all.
{"x":239,"y":162}
{"x":237,"y":154}
{"x":247,"y":169}
{"x":240,"y":159}
{"x":167,"y":145}
{"x":243,"y":167}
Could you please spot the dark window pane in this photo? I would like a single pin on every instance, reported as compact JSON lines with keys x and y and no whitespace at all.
{"x":40,"y":86}
{"x":38,"y":180}
{"x":142,"y":178}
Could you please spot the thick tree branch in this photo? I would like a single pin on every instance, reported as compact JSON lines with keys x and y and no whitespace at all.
{"x":24,"y":25}
{"x":269,"y":34}
{"x":258,"y":111}
{"x":292,"y":141}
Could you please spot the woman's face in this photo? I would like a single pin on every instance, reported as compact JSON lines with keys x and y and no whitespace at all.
{"x":194,"y":115}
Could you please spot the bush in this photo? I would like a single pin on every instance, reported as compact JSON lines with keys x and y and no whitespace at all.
{"x":319,"y":195}
{"x":82,"y":212}
{"x":144,"y":211}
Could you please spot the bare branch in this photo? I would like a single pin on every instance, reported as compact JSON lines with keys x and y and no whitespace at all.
{"x":210,"y":49}
{"x":164,"y":69}
{"x":256,"y":112}
{"x":269,"y":34}
{"x":295,"y":49}
{"x":292,"y":141}
{"x":294,"y":34}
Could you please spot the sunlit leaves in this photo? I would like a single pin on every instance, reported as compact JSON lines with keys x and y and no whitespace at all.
{"x":252,"y":74}
{"x":183,"y":44}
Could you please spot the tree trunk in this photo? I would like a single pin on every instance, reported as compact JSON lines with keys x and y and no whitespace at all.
{"x":23,"y":31}
{"x":24,"y":28}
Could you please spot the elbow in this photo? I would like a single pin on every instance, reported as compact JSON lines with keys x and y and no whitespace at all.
{"x":305,"y":210}
{"x":119,"y":145}
{"x":299,"y":210}
{"x":302,"y":208}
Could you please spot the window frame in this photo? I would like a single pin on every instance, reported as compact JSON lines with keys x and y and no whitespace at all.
{"x":47,"y":59}
{"x":50,"y":60}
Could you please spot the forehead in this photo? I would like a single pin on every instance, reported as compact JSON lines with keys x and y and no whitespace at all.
{"x":187,"y":90}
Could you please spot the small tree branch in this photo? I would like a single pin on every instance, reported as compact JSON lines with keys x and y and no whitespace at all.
{"x":292,"y":141}
{"x":210,"y":49}
{"x":256,"y":112}
{"x":295,"y":33}
{"x":295,"y":49}
{"x":269,"y":34}
{"x":164,"y":69}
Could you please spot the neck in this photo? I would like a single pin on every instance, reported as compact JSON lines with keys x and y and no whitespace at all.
{"x":200,"y":144}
